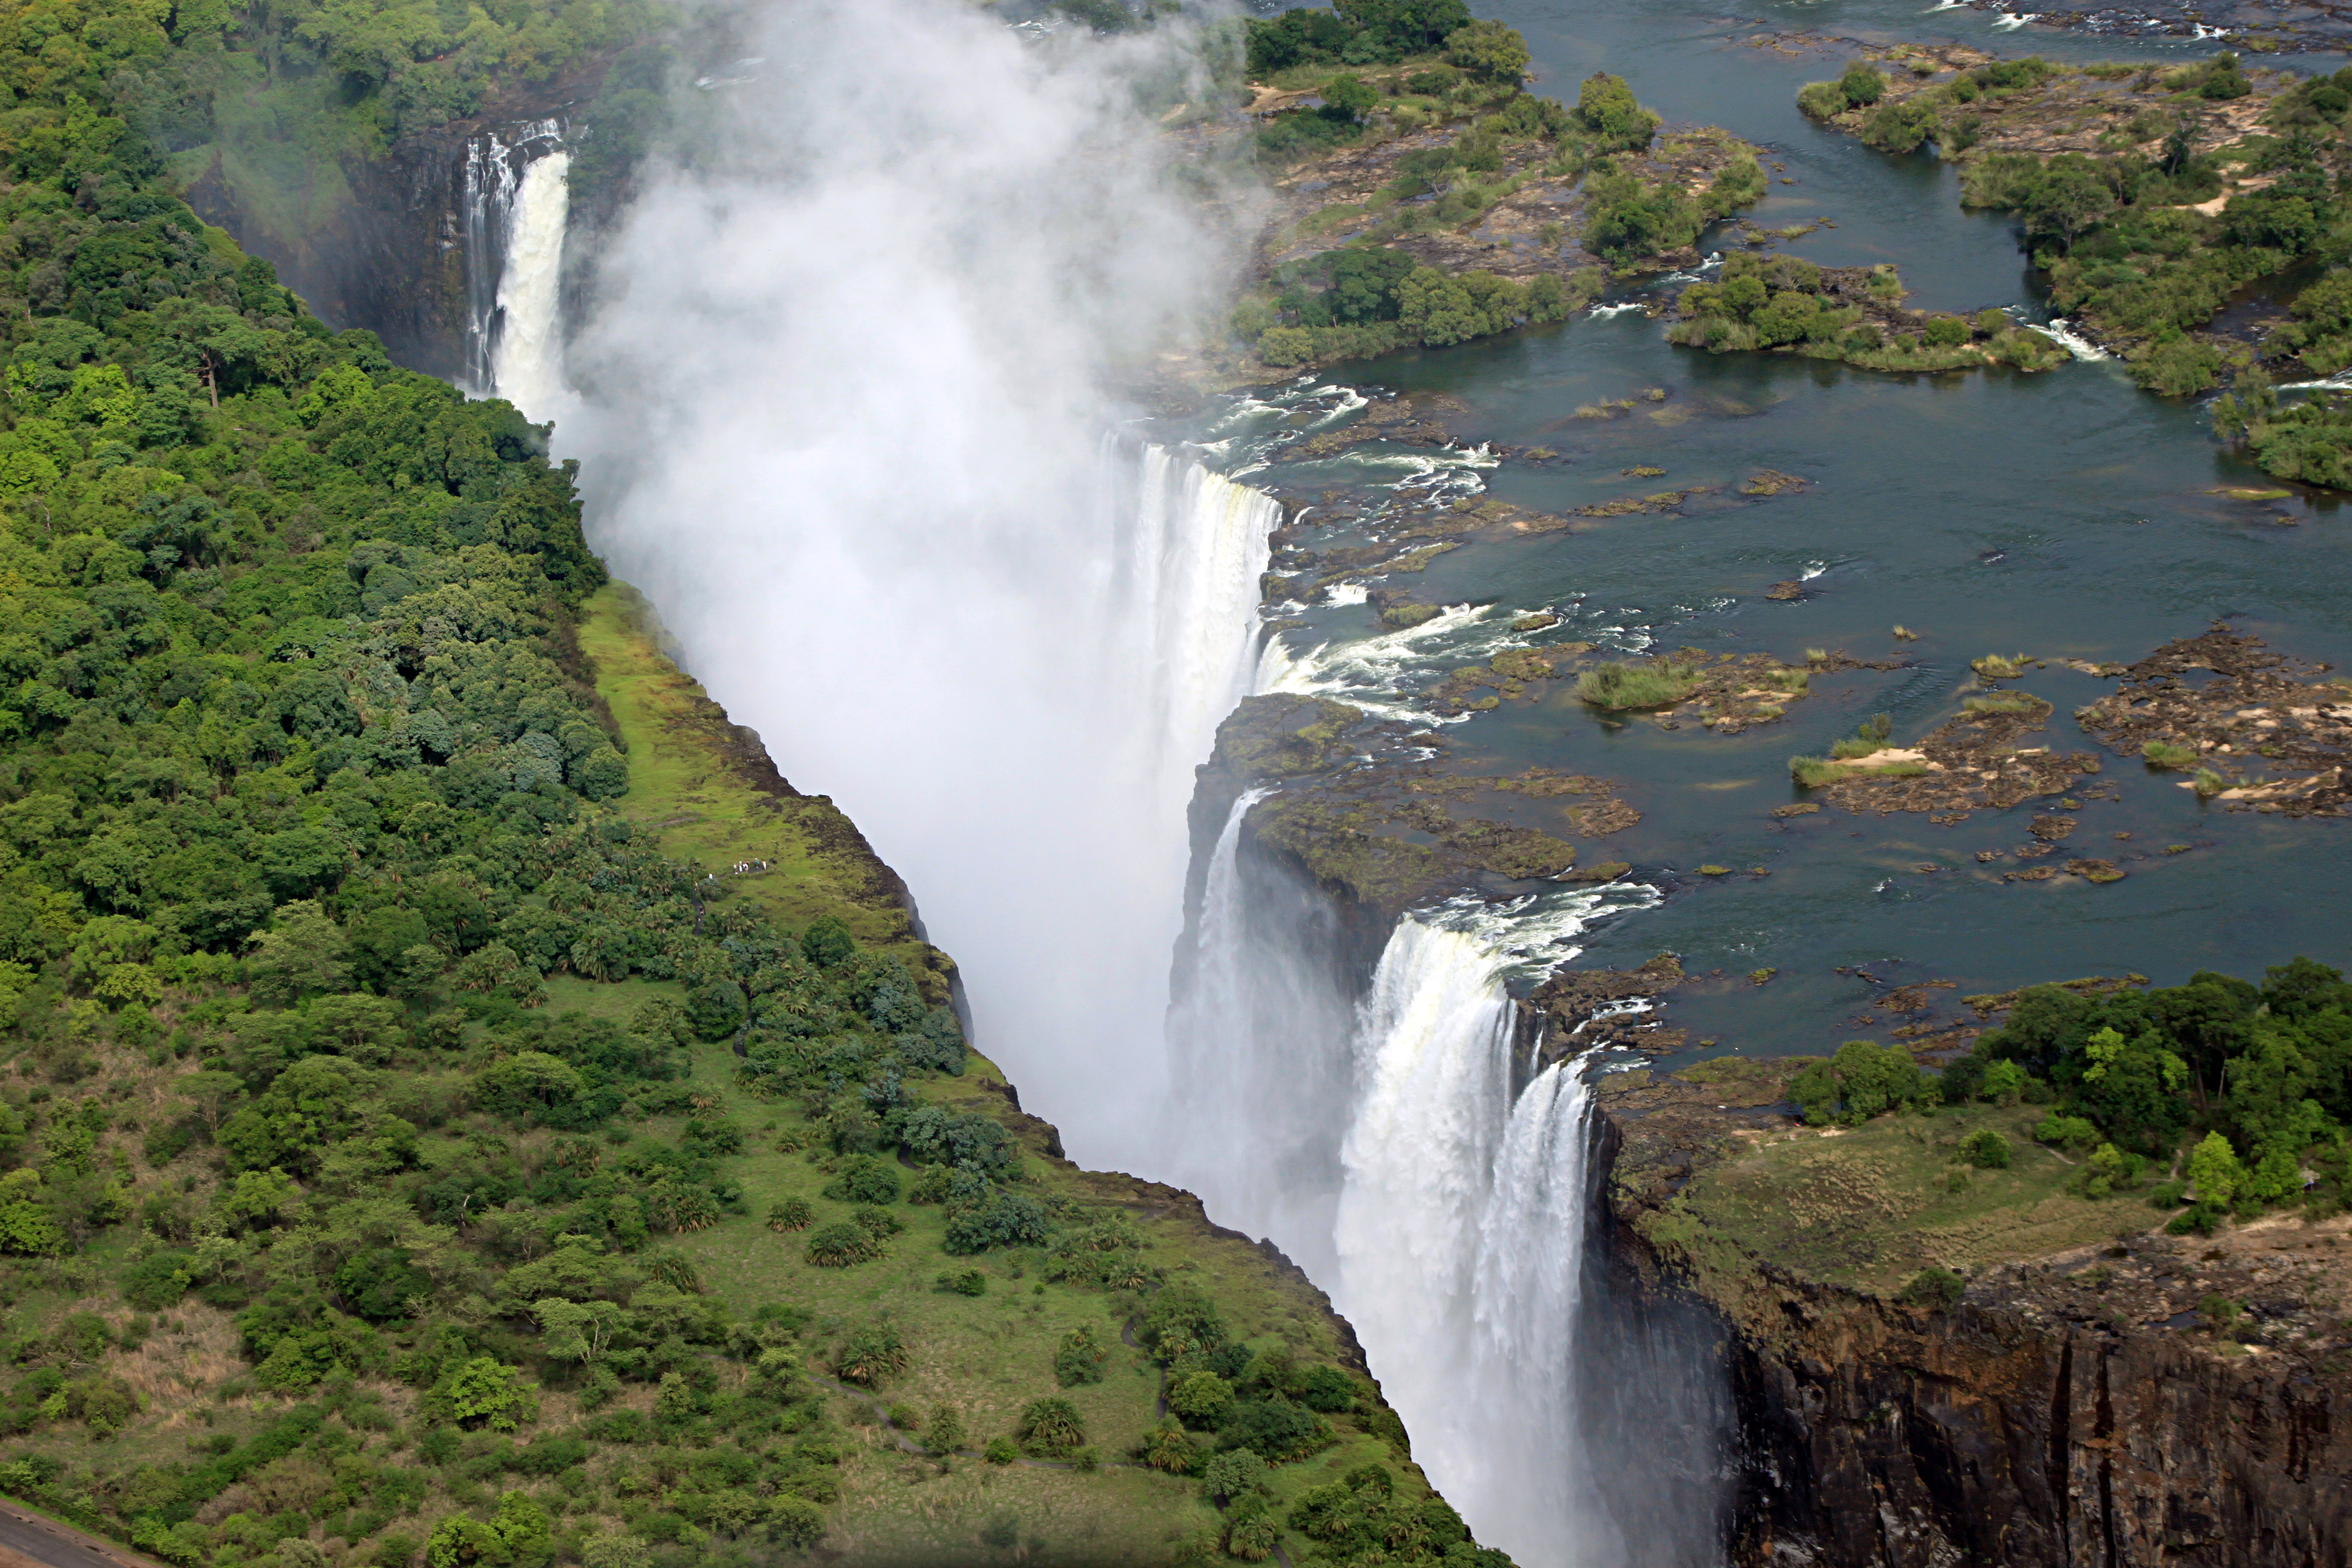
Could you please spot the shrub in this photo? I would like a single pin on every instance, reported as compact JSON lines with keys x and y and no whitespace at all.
{"x":1166,"y":1447}
{"x":796,"y":1522}
{"x":1051,"y":1427}
{"x":1863,"y":1080}
{"x":1900,"y":127}
{"x":875,"y":1222}
{"x":945,"y":1435}
{"x":1080,"y":1357}
{"x":842,"y":1244}
{"x":2069,"y":1132}
{"x":1947,"y":331}
{"x":962,"y":1282}
{"x":1276,"y":1428}
{"x":1986,"y":1150}
{"x":793,"y":1213}
{"x":1003,"y":1219}
{"x":871,"y":1353}
{"x":1862,"y":85}
{"x":1661,"y":683}
{"x":1234,"y":1474}
{"x":1938,"y":1289}
{"x":1870,"y":736}
{"x":2164,"y":754}
{"x":1200,"y":1398}
{"x":2208,"y":784}
{"x":1609,"y":110}
{"x":2107,"y":1169}
{"x":1823,"y":100}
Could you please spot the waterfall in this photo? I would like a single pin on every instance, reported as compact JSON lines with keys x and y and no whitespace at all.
{"x":1461,"y":1231}
{"x":515,"y":205}
{"x":1199,"y":545}
{"x":528,"y":365}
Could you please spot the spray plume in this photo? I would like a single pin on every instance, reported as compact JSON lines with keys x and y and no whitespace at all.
{"x":848,"y":430}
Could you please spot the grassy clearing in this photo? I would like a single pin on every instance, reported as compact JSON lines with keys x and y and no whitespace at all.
{"x":1871,"y":1206}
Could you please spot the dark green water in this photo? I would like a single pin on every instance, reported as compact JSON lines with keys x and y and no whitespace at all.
{"x":2063,"y":515}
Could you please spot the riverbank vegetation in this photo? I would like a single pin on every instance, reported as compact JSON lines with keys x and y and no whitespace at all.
{"x":2088,"y":1111}
{"x":1851,"y":314}
{"x":1574,"y":190}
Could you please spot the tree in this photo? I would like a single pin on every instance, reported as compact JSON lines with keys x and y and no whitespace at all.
{"x":578,"y":1330}
{"x":1608,"y":109}
{"x":1080,"y":1357}
{"x":1347,"y":99}
{"x":1489,"y":50}
{"x":2215,"y":1174}
{"x":303,"y":954}
{"x":484,"y":1392}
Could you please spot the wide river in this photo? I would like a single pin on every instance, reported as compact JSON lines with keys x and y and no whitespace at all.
{"x":2066,"y":515}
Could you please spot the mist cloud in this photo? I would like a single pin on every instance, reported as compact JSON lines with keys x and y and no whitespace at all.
{"x":849,"y":433}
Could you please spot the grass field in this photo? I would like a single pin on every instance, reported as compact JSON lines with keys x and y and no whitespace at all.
{"x":1868,"y":1206}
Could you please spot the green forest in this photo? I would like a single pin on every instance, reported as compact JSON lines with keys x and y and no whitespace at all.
{"x":2217,"y":1096}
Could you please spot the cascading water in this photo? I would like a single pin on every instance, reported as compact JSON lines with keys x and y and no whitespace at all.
{"x":1196,"y":551}
{"x":527,"y":367}
{"x":1461,"y":1228}
{"x":515,"y":210}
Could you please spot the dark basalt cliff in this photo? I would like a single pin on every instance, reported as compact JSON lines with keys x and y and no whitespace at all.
{"x":2074,"y":1409}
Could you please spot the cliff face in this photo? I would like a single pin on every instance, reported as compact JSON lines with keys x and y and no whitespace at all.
{"x":1873,"y":1434}
{"x":2158,"y":1400}
{"x":389,"y":246}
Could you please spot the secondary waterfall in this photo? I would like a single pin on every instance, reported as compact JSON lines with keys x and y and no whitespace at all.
{"x":527,"y":367}
{"x":1461,"y":1229}
{"x":517,"y":203}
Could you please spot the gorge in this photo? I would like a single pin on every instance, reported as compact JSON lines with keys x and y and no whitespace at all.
{"x":1355,"y":803}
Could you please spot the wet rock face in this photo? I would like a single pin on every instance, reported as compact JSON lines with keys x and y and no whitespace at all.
{"x":1874,"y":1435}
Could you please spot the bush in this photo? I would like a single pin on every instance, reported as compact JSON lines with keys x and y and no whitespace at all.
{"x":1947,"y":331}
{"x":962,"y":1282}
{"x":1621,"y":688}
{"x":1200,"y":1398}
{"x":1051,"y":1427}
{"x":1235,"y":1473}
{"x":1938,"y":1289}
{"x":1002,"y":1219}
{"x":2164,"y":754}
{"x":2107,"y":1170}
{"x":1986,"y":1150}
{"x":875,"y":1222}
{"x":1863,"y":1080}
{"x":1080,"y":1357}
{"x":863,"y":1179}
{"x":793,"y":1213}
{"x":1862,"y":85}
{"x":796,"y":1522}
{"x":1609,"y":110}
{"x":2073,"y":1133}
{"x":841,"y":1244}
{"x":1276,"y":1428}
{"x":871,"y":1353}
{"x":1166,"y":1447}
{"x":1823,"y":100}
{"x":1491,"y":51}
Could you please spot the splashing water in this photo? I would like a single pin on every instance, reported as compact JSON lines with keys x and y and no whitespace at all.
{"x":1461,"y":1224}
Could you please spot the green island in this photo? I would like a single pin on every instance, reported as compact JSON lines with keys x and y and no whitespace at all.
{"x":2152,"y":196}
{"x":461,"y":1105}
{"x":1405,"y":154}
